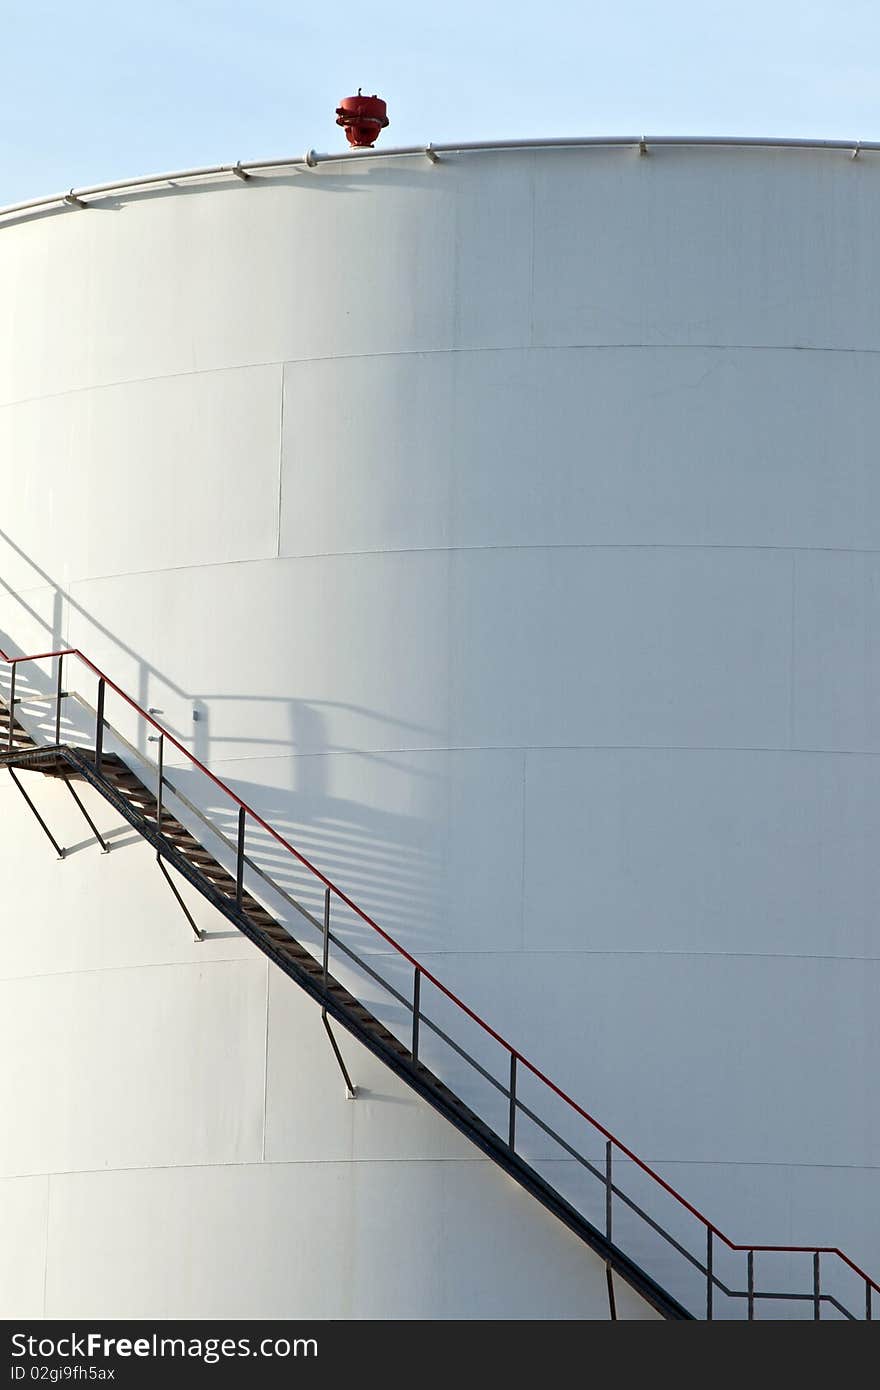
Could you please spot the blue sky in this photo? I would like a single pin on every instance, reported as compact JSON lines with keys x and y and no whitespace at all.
{"x":93,"y":91}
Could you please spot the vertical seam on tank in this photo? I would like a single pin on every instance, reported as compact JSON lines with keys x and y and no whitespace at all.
{"x":280,"y":463}
{"x":522,"y":852}
{"x":791,"y":655}
{"x":46,"y":1241}
{"x":266,"y":1067}
{"x":456,"y":275}
{"x":532,"y":257}
{"x":866,"y":649}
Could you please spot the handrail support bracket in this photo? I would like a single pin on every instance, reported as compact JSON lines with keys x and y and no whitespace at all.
{"x":197,"y":932}
{"x":351,"y":1091}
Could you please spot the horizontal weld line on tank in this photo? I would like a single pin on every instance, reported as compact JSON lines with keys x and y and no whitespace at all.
{"x":123,"y":382}
{"x":269,"y":557}
{"x":439,"y":352}
{"x":9,"y":591}
{"x":368,"y":752}
{"x":378,"y":752}
{"x":246,"y":957}
{"x":516,"y":547}
{"x":546,"y":545}
{"x":633,"y":951}
{"x":454,"y":952}
{"x":257,"y":1163}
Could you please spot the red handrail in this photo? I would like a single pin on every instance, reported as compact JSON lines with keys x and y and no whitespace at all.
{"x":438,"y":984}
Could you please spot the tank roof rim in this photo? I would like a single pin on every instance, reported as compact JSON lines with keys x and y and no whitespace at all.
{"x":242,"y":169}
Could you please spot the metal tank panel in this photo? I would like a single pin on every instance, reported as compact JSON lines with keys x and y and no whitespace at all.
{"x":519,"y":559}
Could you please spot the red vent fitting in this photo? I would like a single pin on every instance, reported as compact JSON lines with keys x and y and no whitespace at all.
{"x":362,"y":118}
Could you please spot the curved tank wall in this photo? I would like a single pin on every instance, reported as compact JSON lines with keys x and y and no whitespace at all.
{"x":511,"y":526}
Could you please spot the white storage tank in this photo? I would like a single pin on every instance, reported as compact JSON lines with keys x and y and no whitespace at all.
{"x":504,"y":528}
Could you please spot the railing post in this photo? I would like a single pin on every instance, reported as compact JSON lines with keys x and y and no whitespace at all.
{"x":239,"y":861}
{"x":99,"y":727}
{"x":817,"y":1302}
{"x":511,"y":1129}
{"x":160,"y":782}
{"x":868,"y":1311}
{"x":58,"y":692}
{"x":751,"y":1270}
{"x":710,"y":1285}
{"x":326,"y":934}
{"x":612,"y":1301}
{"x":608,"y":1193}
{"x":12,"y":702}
{"x":417,"y":989}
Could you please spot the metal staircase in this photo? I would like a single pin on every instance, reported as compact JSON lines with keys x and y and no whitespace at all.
{"x":669,"y":1253}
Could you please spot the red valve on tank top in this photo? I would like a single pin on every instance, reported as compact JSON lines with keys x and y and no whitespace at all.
{"x":362,"y":118}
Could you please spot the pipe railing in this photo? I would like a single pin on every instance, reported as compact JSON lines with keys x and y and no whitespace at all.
{"x":243,"y":170}
{"x":517,"y":1063}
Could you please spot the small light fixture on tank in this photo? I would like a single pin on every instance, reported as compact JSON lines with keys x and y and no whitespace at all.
{"x":362,"y":118}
